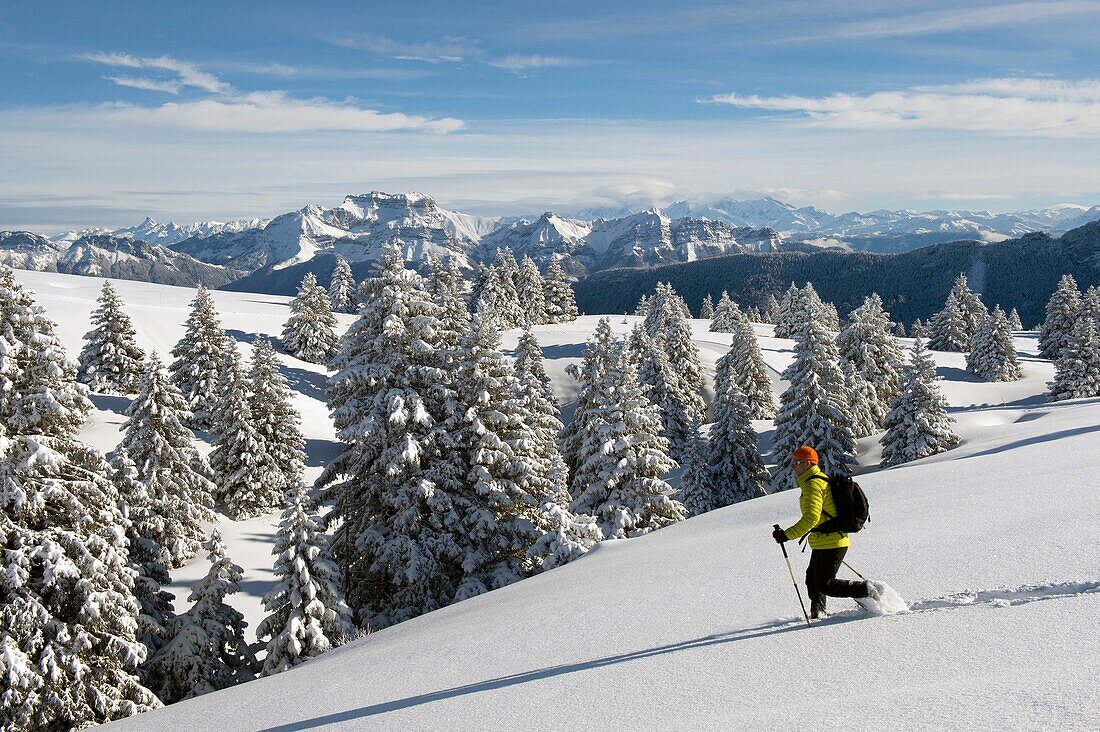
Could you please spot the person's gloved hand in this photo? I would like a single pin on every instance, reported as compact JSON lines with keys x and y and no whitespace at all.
{"x":779,"y":535}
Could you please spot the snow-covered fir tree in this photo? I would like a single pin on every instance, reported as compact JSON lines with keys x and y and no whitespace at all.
{"x":917,"y":424}
{"x":706,"y":310}
{"x":1014,"y":321}
{"x":866,"y":343}
{"x":69,"y":650}
{"x":948,"y":330}
{"x":865,"y":413}
{"x":110,"y":362}
{"x":246,"y":482}
{"x":276,"y":421}
{"x":973,"y":310}
{"x":397,"y":534}
{"x":148,"y":559}
{"x":726,"y":468}
{"x":812,"y":410}
{"x":168,"y":465}
{"x":744,"y":365}
{"x":791,"y":313}
{"x":771,"y":309}
{"x":593,"y":373}
{"x":752,"y":314}
{"x":445,"y":285}
{"x":206,"y":650}
{"x":918,"y":329}
{"x":308,"y":615}
{"x":683,"y":410}
{"x":500,"y":295}
{"x":1077,"y":370}
{"x":477,"y":284}
{"x":621,"y":481}
{"x":198,"y":361}
{"x":642,"y":308}
{"x":39,"y":393}
{"x":561,"y":301}
{"x":341,"y":288}
{"x":532,"y":292}
{"x":727,"y":315}
{"x":1061,"y":316}
{"x":310,"y":332}
{"x":992,"y":354}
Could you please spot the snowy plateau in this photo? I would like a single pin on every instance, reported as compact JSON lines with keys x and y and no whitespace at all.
{"x":696,"y":626}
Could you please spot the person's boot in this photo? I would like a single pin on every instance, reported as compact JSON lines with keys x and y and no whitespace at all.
{"x":817,"y":609}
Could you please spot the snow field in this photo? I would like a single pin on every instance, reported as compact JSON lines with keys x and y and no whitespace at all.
{"x":696,"y":626}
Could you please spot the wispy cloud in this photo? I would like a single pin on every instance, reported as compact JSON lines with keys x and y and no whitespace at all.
{"x":448,"y":49}
{"x":228,"y":109}
{"x":1020,"y":107}
{"x":187,"y":74}
{"x":948,"y":20}
{"x":322,"y":73}
{"x":519,"y":63}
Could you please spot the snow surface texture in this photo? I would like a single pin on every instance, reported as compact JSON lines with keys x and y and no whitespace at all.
{"x":696,"y":626}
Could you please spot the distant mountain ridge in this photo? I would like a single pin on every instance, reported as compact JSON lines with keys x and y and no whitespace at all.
{"x":685,"y":231}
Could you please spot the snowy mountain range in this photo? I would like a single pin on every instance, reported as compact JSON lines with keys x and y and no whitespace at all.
{"x":684,"y":231}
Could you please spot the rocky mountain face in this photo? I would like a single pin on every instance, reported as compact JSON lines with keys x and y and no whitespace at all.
{"x":155,"y":232}
{"x":116,"y":257}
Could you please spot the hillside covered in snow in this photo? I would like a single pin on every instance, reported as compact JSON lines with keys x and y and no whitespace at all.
{"x":696,"y":626}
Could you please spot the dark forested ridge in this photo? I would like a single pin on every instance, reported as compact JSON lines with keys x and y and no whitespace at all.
{"x":1018,"y":273}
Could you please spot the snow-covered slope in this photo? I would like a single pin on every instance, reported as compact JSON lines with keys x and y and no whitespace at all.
{"x":24,"y":250}
{"x":696,"y":626}
{"x":154,"y":232}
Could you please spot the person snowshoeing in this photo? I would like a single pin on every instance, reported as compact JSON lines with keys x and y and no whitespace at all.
{"x":828,"y":550}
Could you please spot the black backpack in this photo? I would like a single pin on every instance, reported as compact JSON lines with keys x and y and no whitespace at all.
{"x":852,"y":509}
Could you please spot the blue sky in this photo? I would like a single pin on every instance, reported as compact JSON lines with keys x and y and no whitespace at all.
{"x":184,"y":111}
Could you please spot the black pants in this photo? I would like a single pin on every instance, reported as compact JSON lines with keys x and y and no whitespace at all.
{"x":821,"y":579}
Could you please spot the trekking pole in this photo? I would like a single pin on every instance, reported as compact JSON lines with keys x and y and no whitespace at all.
{"x":856,"y":571}
{"x":794,"y":582}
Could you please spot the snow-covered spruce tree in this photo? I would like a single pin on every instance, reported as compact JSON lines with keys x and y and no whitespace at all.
{"x":992,"y":354}
{"x":341,"y":288}
{"x":621,"y":482}
{"x":899,"y":329}
{"x":1061,"y":316}
{"x":642,"y":308}
{"x":592,"y":373}
{"x":1077,"y":370}
{"x":477,"y":285}
{"x":771,"y":309}
{"x":862,"y":405}
{"x":445,"y":285}
{"x":706,"y":310}
{"x":726,"y":316}
{"x":812,"y":410}
{"x":111,"y":362}
{"x":168,"y":465}
{"x":532,"y":292}
{"x":561,"y":301}
{"x":148,"y":559}
{"x":275,"y":419}
{"x":39,"y":394}
{"x":206,"y":650}
{"x":69,"y":650}
{"x":683,"y":409}
{"x":744,"y":365}
{"x":791,"y":313}
{"x":970,"y":304}
{"x":307,"y":613}
{"x":727,"y":467}
{"x":947,"y":330}
{"x":752,"y":314}
{"x":918,"y":424}
{"x":500,"y":295}
{"x":866,"y":343}
{"x":1014,"y":321}
{"x":310,"y":331}
{"x":198,"y":361}
{"x":397,"y":534}
{"x":918,"y":329}
{"x":246,"y":482}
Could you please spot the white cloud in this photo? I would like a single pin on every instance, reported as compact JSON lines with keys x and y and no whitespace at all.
{"x":449,"y":49}
{"x":138,"y":82}
{"x":266,"y":112}
{"x":942,"y":21}
{"x":188,"y":74}
{"x":519,"y":63}
{"x":1018,"y":107}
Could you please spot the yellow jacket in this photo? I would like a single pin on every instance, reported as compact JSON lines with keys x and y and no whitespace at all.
{"x":816,"y":498}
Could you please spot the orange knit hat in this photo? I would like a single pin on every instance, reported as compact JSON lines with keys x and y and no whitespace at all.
{"x":806,"y":453}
